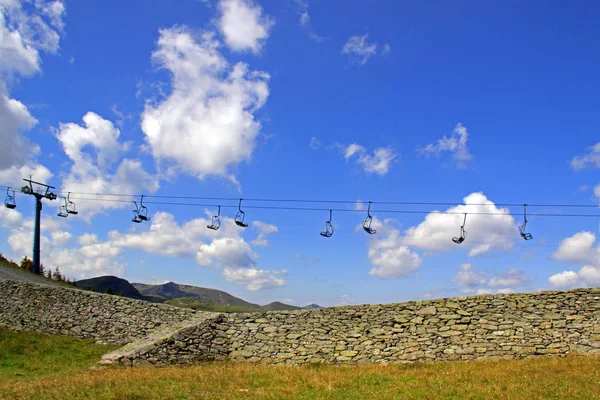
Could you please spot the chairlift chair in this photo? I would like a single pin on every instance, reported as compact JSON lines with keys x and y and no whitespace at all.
{"x":142,"y":211}
{"x":463,"y":233}
{"x":62,"y":210}
{"x":216,"y":222}
{"x":10,"y":202}
{"x":70,"y":206}
{"x":522,"y":228}
{"x":367,"y":222}
{"x":136,"y":214}
{"x":240,"y":216}
{"x":328,"y":227}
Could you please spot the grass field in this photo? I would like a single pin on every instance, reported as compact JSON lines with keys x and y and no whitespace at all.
{"x":53,"y":367}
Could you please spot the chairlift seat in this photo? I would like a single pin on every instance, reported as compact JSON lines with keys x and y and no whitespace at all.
{"x":73,"y":212}
{"x":137,"y":220}
{"x":240,"y":223}
{"x":458,"y":240}
{"x":526,"y":236}
{"x":326,"y":234}
{"x":12,"y":206}
{"x":62,"y":213}
{"x":213,"y":227}
{"x":370,"y":231}
{"x":143,"y":217}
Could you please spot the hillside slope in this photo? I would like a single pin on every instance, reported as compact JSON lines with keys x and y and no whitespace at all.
{"x":118,"y":285}
{"x":171,"y":291}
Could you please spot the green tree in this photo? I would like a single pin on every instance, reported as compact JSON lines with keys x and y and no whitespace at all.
{"x":110,"y":290}
{"x":26,"y":264}
{"x":56,"y":275}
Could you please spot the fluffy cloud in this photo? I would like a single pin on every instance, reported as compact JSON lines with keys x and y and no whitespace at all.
{"x":25,"y":31}
{"x":255,"y":279}
{"x":578,"y":248}
{"x":485,"y":232}
{"x":590,"y":159}
{"x":206,"y":125}
{"x":301,"y":7}
{"x":472,"y":281}
{"x":263,"y":230}
{"x":378,"y":163}
{"x":224,"y":249}
{"x":244,"y":25}
{"x":15,"y":120}
{"x":91,"y":259}
{"x":390,"y":258}
{"x":14,"y":175}
{"x":359,"y":49}
{"x":93,"y":149}
{"x":456,"y":145}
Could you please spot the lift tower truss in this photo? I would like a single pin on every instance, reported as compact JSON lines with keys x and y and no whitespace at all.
{"x":39,"y":191}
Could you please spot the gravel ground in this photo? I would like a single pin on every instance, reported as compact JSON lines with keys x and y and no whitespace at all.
{"x":12,"y":274}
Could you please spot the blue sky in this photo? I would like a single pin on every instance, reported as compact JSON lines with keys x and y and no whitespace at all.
{"x":358,"y":101}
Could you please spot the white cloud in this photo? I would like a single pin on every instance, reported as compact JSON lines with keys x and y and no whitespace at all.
{"x":590,"y":159}
{"x":578,"y":248}
{"x":224,"y":249}
{"x":25,"y":31}
{"x":495,"y":229}
{"x":10,"y":218}
{"x":456,"y":145}
{"x":87,"y":239}
{"x":512,"y":277}
{"x":315,"y":143}
{"x":472,"y":281}
{"x":263,"y":230}
{"x":255,"y":279}
{"x":359,"y":49}
{"x":206,"y":125}
{"x":378,"y":163}
{"x":93,"y":149}
{"x":468,"y":279}
{"x":243,"y":25}
{"x":15,"y":120}
{"x":345,"y":299}
{"x":14,"y":175}
{"x":301,"y":7}
{"x":60,"y":238}
{"x":390,"y":258}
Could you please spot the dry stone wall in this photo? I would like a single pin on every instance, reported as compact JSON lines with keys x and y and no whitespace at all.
{"x":491,"y":327}
{"x":488,"y":326}
{"x":83,"y":314}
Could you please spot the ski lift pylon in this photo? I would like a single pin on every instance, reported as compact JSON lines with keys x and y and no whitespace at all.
{"x":328,"y":226}
{"x":463,"y":233}
{"x":240,"y":216}
{"x":367,"y":222}
{"x":216,"y":222}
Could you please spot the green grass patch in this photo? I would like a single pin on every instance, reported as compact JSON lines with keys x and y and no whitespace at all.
{"x":29,"y":356}
{"x":54,"y":367}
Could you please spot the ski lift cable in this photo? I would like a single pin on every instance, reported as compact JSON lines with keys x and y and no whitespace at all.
{"x":333,"y":201}
{"x":388,"y":211}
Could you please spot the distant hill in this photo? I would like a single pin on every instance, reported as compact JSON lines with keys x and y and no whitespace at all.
{"x":171,"y":290}
{"x":311,"y":306}
{"x":174,"y":294}
{"x":118,"y":285}
{"x":279,"y":306}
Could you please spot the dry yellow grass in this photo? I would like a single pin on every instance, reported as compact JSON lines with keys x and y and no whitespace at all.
{"x":540,"y":378}
{"x":34,"y":366}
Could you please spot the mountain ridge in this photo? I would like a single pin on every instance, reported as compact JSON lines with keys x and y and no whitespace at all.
{"x":182,"y":295}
